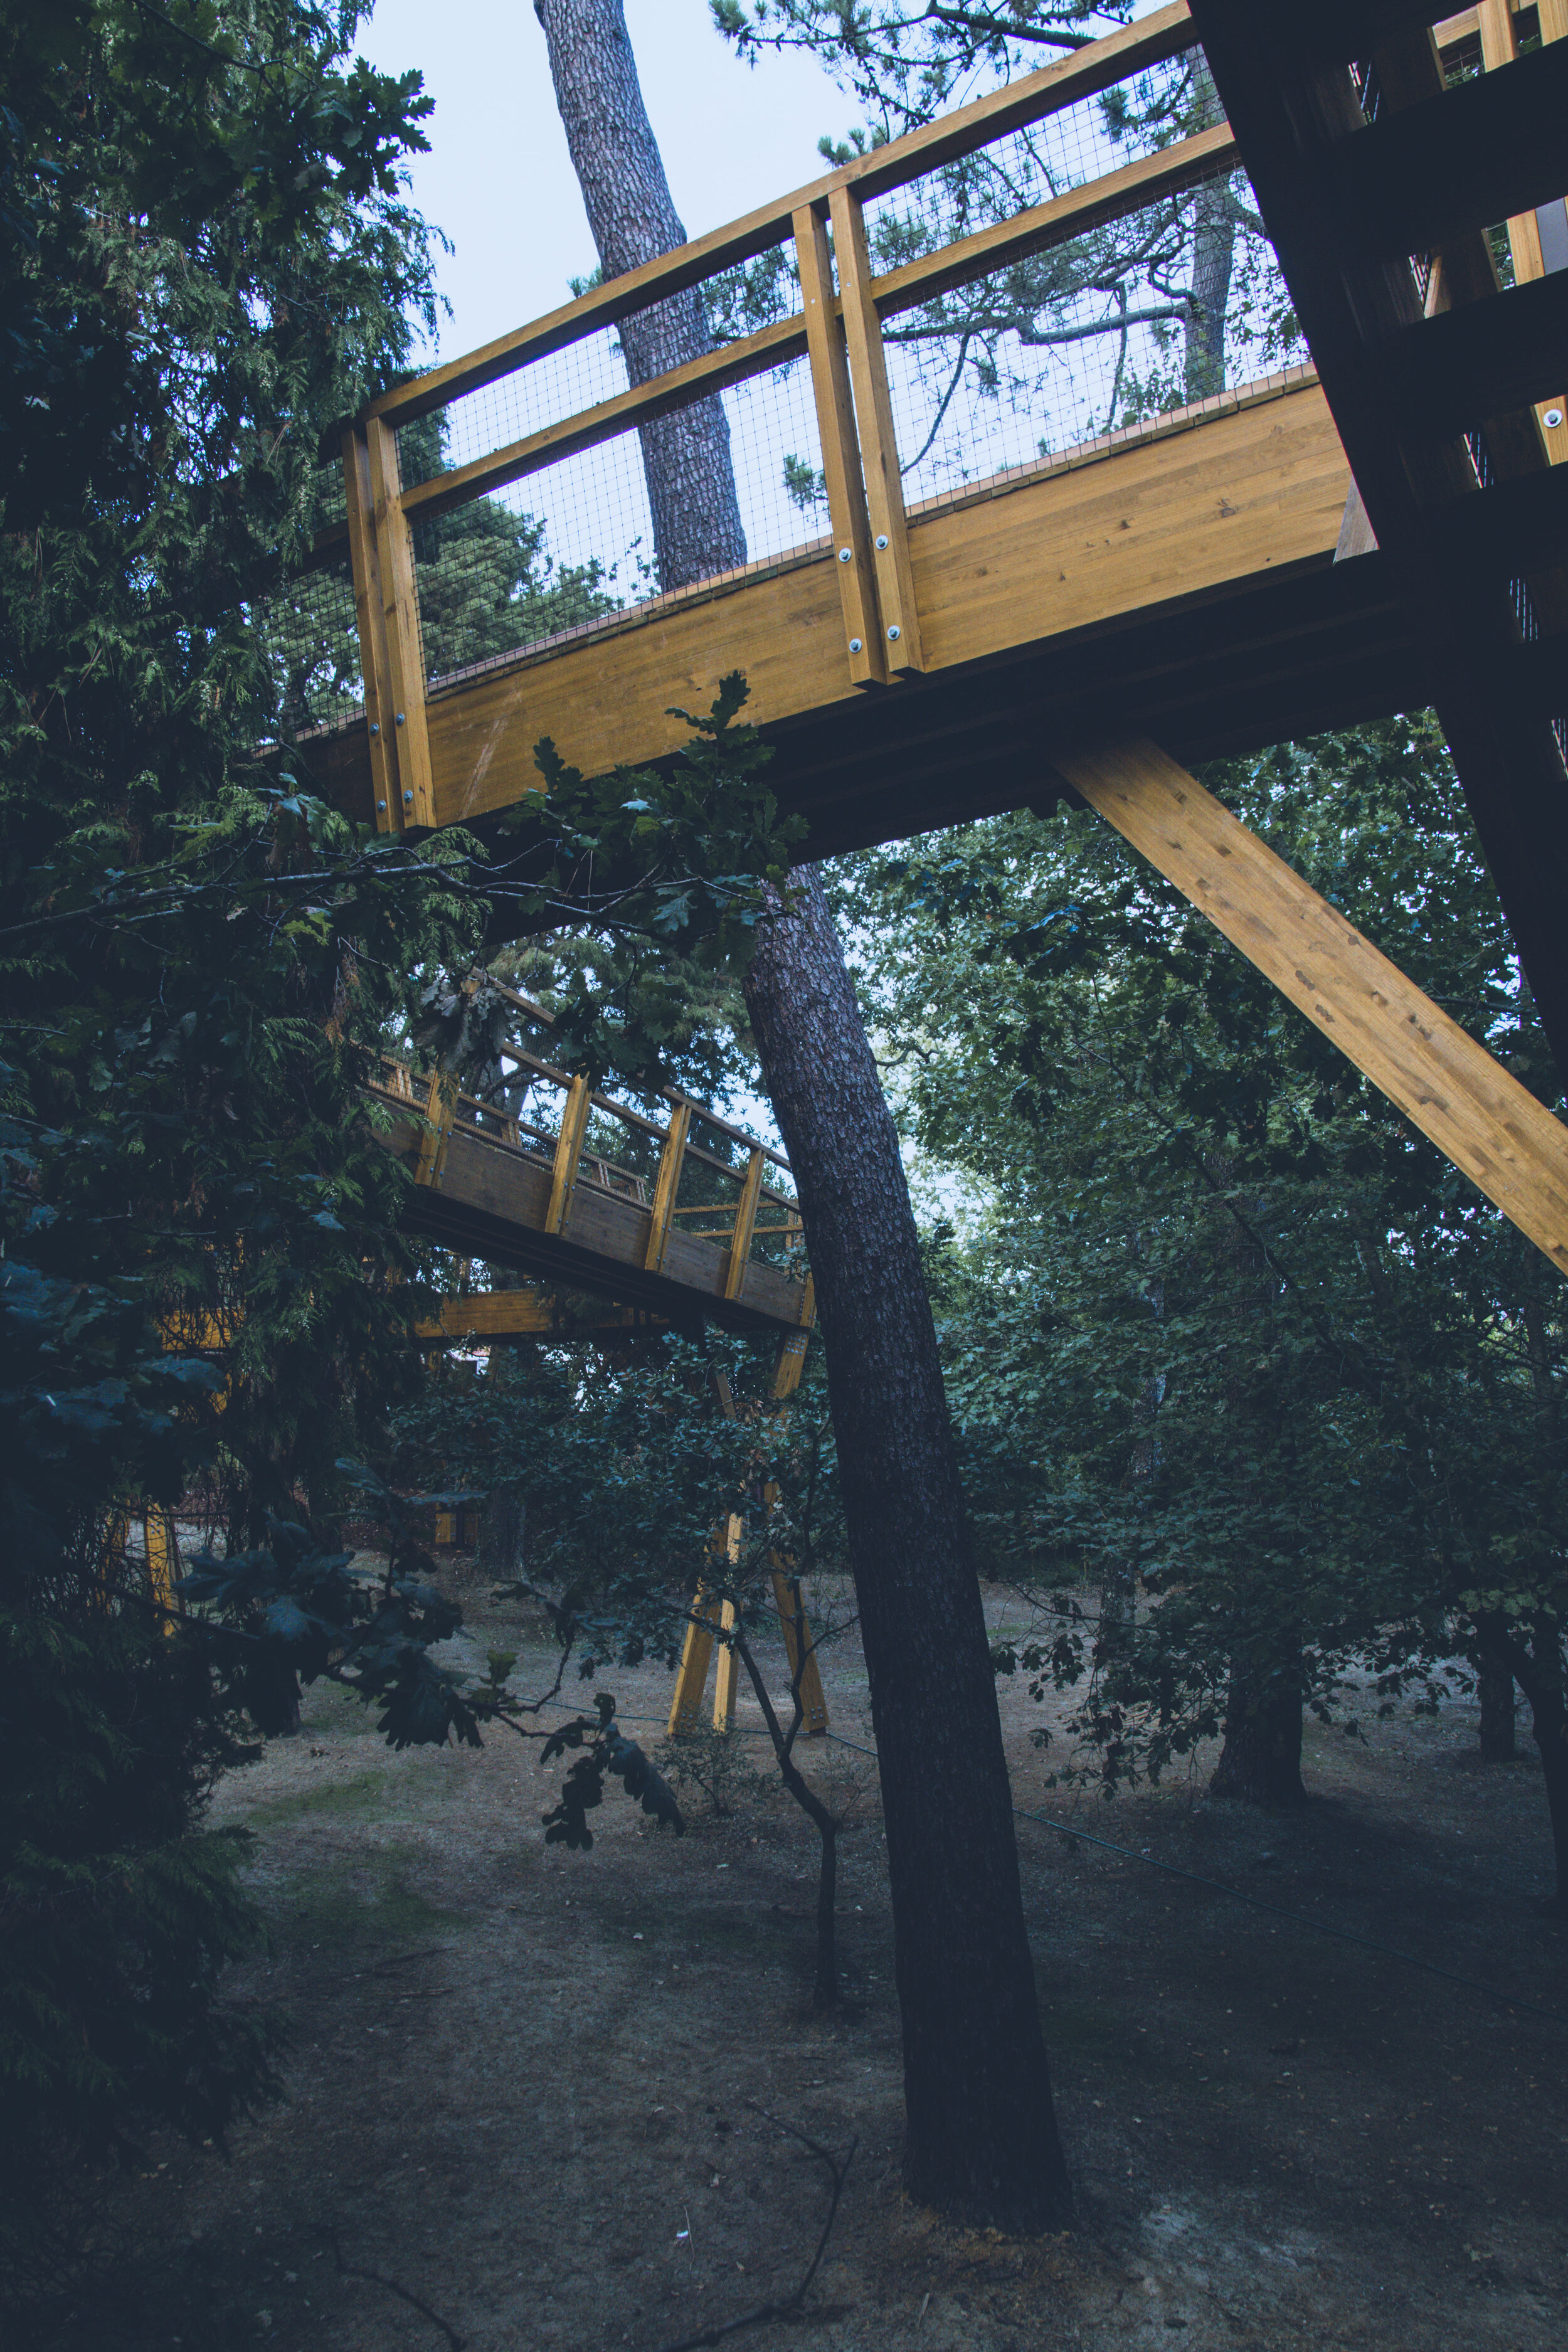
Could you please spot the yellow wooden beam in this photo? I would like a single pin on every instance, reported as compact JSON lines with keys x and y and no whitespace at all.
{"x":369,"y":614}
{"x":404,"y":684}
{"x":745,"y":1220}
{"x":568,"y":1153}
{"x":666,"y":1187}
{"x":879,"y":440}
{"x":855,"y":565}
{"x":1491,"y":1127}
{"x":162,"y":1560}
{"x":440,"y":1110}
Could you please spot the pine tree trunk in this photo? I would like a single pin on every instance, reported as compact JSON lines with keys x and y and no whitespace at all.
{"x":1214,"y":254}
{"x":1539,"y":1669}
{"x":1260,"y":1763}
{"x":686,"y":458}
{"x":982,"y":2140}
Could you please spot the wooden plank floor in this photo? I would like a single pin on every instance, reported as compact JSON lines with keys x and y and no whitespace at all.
{"x":490,"y":1198}
{"x":1181,"y":573}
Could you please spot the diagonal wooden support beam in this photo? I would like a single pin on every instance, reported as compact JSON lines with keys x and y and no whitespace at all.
{"x":1491,"y":1128}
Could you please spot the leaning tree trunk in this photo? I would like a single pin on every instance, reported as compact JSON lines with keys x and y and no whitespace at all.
{"x":686,"y":458}
{"x":982,"y":2139}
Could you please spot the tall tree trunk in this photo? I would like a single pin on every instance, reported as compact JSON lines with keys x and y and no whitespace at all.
{"x":1539,"y":1668}
{"x":1260,"y":1763}
{"x":1214,"y":253}
{"x":686,"y":458}
{"x":982,"y":2140}
{"x":1494,"y":1687}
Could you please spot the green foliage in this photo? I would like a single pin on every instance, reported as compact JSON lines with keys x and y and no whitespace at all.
{"x":1252,"y":1384}
{"x":604,"y":1749}
{"x":205,"y":262}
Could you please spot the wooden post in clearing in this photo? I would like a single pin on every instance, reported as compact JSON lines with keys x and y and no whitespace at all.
{"x":1492,"y":1128}
{"x":405,"y":676}
{"x":369,"y":614}
{"x":158,"y":1537}
{"x":665,"y":1186}
{"x":686,"y":1706}
{"x":879,"y":442}
{"x":568,"y":1152}
{"x":724,"y":1680}
{"x":841,"y":454}
{"x":745,"y":1219}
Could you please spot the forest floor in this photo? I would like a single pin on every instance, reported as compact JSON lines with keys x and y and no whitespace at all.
{"x":525,"y":2087}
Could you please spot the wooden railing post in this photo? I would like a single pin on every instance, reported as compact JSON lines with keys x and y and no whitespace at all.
{"x":666,"y":1186}
{"x":568,"y":1152}
{"x":440,"y":1110}
{"x":403,"y":683}
{"x":879,"y":443}
{"x":745,"y":1220}
{"x":369,"y":614}
{"x":792,"y":1346}
{"x":840,"y":452}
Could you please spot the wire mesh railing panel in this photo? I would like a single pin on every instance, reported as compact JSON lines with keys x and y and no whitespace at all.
{"x":1080,"y":142}
{"x":1110,"y":330}
{"x":577,"y":542}
{"x":564,"y":384}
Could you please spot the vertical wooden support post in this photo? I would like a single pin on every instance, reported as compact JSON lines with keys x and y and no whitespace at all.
{"x":798,"y":1643}
{"x":1497,"y":48}
{"x":840,"y":452}
{"x":792,"y":1346}
{"x":404,"y":679}
{"x":745,"y":1220}
{"x":725,"y":1680}
{"x":568,"y":1152}
{"x":440,"y":1108}
{"x":158,"y":1537}
{"x":667,"y":1187}
{"x":686,"y":1706}
{"x":879,"y":443}
{"x":369,"y":614}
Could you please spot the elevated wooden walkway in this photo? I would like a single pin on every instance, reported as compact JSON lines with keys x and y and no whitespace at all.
{"x":1211,"y":579}
{"x":686,"y":1238}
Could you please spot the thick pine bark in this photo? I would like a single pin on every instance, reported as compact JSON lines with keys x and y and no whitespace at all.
{"x":1260,"y":1763}
{"x":1214,"y":256}
{"x":686,"y":458}
{"x":982,"y":2140}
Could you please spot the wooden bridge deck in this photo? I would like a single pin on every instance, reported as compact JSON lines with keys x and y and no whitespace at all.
{"x":691,"y":1238}
{"x":1213,"y":579}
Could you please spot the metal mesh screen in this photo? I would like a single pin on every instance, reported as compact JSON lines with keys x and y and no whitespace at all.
{"x":1105,"y":331}
{"x":573,"y":544}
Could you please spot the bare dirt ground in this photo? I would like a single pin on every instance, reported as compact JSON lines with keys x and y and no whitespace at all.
{"x":523,"y":2085}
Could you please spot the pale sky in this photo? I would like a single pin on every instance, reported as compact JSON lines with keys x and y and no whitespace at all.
{"x":498,"y":179}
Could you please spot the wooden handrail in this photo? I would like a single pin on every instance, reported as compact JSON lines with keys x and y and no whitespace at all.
{"x":1165,"y":32}
{"x":1144,"y":181}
